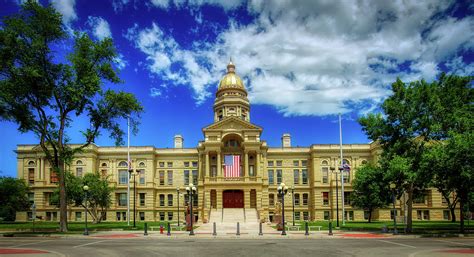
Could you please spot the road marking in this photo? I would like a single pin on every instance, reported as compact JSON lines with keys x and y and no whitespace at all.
{"x":96,"y":242}
{"x":30,"y":243}
{"x":453,"y":242}
{"x":400,"y":244}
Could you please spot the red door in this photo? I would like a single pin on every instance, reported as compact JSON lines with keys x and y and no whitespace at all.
{"x":233,"y":199}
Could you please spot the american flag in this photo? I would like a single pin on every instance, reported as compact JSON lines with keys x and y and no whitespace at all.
{"x":232,"y":166}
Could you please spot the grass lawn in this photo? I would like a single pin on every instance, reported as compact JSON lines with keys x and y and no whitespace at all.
{"x":418,"y":226}
{"x":79,"y":226}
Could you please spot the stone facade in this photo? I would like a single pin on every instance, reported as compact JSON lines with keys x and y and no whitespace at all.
{"x":162,"y":171}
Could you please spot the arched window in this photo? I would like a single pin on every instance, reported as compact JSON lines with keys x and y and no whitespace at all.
{"x":104,"y":164}
{"x":31,"y":163}
{"x":324,"y":163}
{"x":364,"y":162}
{"x":345,"y":161}
{"x":79,"y":162}
{"x":141,"y":165}
{"x":123,"y":164}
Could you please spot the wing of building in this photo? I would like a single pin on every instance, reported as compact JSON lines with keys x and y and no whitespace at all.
{"x":232,"y":168}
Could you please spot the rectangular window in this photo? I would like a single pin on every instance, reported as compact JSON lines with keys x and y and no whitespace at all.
{"x":325,"y":198}
{"x":251,"y":171}
{"x":426,"y":215}
{"x":304,"y":163}
{"x":170,"y":200}
{"x":347,"y":198}
{"x":162,"y":164}
{"x":118,"y":216}
{"x":142,"y":199}
{"x":279,"y":163}
{"x":349,"y":215}
{"x":326,"y":215}
{"x":297,"y":215}
{"x":170,"y":177}
{"x":296,"y":177}
{"x":366,"y":215}
{"x":142,"y":177}
{"x":214,"y":171}
{"x":305,"y":215}
{"x":195,"y":164}
{"x":392,"y":212}
{"x":169,"y":164}
{"x":53,"y":176}
{"x":325,"y":173}
{"x":142,"y":215}
{"x":31,"y":198}
{"x":304,"y":175}
{"x":186,"y":177}
{"x":279,"y":176}
{"x":270,"y":164}
{"x":195,"y":177}
{"x":296,"y":163}
{"x":446,"y":215}
{"x":186,"y":164}
{"x":162,"y":177}
{"x":31,"y":176}
{"x":305,"y":199}
{"x":170,"y":216}
{"x":420,"y":198}
{"x":78,"y":216}
{"x":79,"y":172}
{"x":297,"y":199}
{"x":271,"y":180}
{"x":123,"y":177}
{"x":122,"y":199}
{"x":162,"y":200}
{"x":162,"y":215}
{"x":271,"y":199}
{"x":347,"y":177}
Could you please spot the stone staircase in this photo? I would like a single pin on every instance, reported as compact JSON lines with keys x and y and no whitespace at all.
{"x":226,"y":222}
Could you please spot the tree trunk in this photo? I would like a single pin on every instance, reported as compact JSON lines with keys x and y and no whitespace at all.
{"x":453,"y":213}
{"x":409,"y":227}
{"x":62,"y":198}
{"x":461,"y":218}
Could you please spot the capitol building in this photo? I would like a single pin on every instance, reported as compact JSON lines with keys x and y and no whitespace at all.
{"x":232,"y":167}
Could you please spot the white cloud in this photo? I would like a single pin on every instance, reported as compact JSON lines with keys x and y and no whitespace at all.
{"x":100,"y":27}
{"x":226,"y":5}
{"x":155,"y":92}
{"x":119,"y":5}
{"x":120,"y":61}
{"x":66,"y":8}
{"x":316,"y":57}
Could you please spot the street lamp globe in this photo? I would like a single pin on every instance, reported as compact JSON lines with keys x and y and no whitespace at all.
{"x":392,"y":186}
{"x":86,"y":188}
{"x":187,"y":189}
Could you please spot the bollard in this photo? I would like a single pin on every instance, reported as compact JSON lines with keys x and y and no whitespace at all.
{"x":146,"y":230}
{"x":306,"y":229}
{"x":169,"y":230}
{"x":260,"y":233}
{"x":161,"y":229}
{"x":238,"y":229}
{"x":214,"y":233}
{"x":330,"y":229}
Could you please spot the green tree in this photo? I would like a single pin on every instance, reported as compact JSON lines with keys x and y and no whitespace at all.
{"x":371,"y":191}
{"x":13,"y":197}
{"x":403,"y":133}
{"x":99,"y":196}
{"x":44,"y":95}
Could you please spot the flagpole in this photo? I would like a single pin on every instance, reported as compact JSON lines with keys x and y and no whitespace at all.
{"x":128,"y":171}
{"x":342,"y":171}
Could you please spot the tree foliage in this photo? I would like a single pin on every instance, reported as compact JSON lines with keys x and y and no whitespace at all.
{"x":99,"y":196}
{"x":370,"y":189}
{"x":13,"y":197}
{"x":43,"y":93}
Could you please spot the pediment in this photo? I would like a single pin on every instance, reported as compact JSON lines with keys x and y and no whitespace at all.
{"x":232,"y":123}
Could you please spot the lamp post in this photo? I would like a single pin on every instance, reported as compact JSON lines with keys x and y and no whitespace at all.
{"x":85,"y":188}
{"x":337,"y":198}
{"x":177,"y":191}
{"x":293,"y":201}
{"x":191,"y":190}
{"x":282,"y":190}
{"x":392,"y":188}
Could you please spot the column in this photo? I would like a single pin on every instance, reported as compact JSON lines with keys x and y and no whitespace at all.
{"x":247,"y":198}
{"x":208,"y":173}
{"x":257,"y":164}
{"x":219,"y":164}
{"x":246,"y":164}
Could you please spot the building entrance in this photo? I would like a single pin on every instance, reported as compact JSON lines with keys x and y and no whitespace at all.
{"x":233,"y":199}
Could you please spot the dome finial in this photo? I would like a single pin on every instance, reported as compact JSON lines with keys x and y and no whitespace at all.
{"x":230,"y":66}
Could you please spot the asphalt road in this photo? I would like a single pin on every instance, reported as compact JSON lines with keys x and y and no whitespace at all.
{"x":149,"y":246}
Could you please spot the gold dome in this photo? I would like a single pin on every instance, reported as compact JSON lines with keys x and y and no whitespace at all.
{"x":231,"y":80}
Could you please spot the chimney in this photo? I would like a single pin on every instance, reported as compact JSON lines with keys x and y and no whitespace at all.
{"x":178,"y":141}
{"x":286,"y":140}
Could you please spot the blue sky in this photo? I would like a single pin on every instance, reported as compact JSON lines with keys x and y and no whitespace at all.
{"x":303,"y":62}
